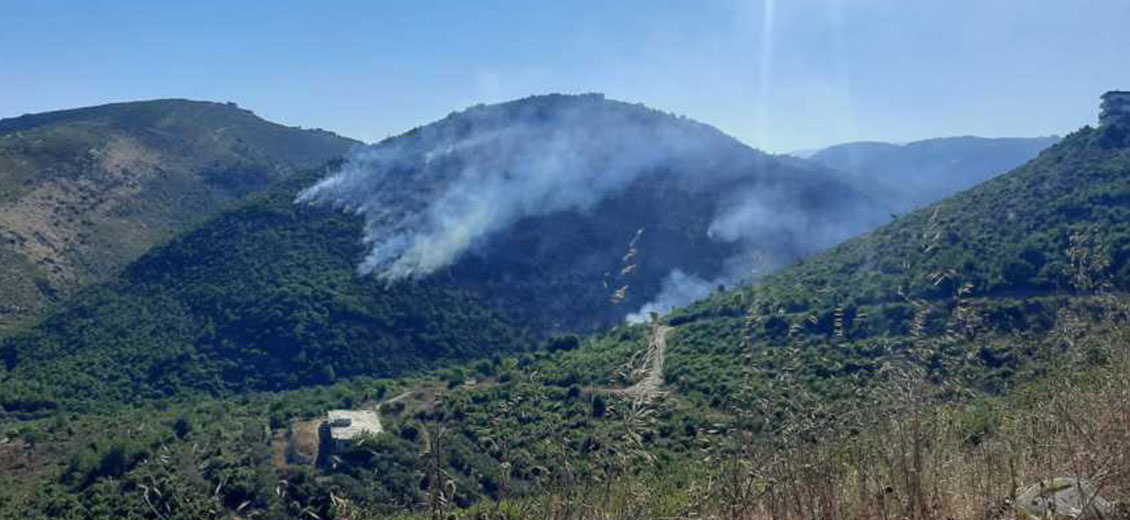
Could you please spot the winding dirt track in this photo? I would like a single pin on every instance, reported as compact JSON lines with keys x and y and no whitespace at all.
{"x":648,"y":388}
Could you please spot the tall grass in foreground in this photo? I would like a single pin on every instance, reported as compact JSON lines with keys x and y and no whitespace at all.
{"x":904,"y":457}
{"x":919,"y":448}
{"x":914,"y":452}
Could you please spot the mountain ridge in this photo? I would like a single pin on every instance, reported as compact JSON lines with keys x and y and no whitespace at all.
{"x":273,"y":299}
{"x":920,"y":172}
{"x":83,"y":191}
{"x":958,"y":308}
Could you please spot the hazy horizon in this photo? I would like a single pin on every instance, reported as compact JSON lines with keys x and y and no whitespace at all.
{"x":779,"y":76}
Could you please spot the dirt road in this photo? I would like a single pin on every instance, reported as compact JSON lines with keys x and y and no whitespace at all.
{"x":648,"y":388}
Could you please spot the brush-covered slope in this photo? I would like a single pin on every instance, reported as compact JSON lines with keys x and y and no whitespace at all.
{"x":772,"y":374}
{"x":768,"y":375}
{"x":85,"y":191}
{"x":914,"y":174}
{"x":551,"y":213}
{"x":1010,"y":234}
{"x":262,"y":297}
{"x":966,"y":286}
{"x":573,"y":211}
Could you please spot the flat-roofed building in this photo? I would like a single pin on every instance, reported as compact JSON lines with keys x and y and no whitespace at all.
{"x":347,"y":426}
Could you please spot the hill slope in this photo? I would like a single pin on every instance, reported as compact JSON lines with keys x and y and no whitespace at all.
{"x":966,"y":286}
{"x":1010,"y":233}
{"x":915,"y":174}
{"x":573,"y":211}
{"x":763,"y":377}
{"x":85,"y":191}
{"x":259,"y":298}
{"x":266,"y":296}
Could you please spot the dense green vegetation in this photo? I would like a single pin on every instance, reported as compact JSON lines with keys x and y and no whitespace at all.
{"x":84,"y":192}
{"x":789,"y":387}
{"x":263,"y":297}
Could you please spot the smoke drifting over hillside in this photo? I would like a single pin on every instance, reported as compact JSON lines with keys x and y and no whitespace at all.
{"x":433,"y":194}
{"x":679,"y":289}
{"x":488,"y":169}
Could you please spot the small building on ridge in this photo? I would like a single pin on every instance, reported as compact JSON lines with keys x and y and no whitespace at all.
{"x":346,"y":427}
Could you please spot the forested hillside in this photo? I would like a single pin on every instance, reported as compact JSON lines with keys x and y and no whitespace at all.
{"x":573,"y":212}
{"x":958,"y":343}
{"x":268,"y":295}
{"x":263,"y":297}
{"x":84,"y":192}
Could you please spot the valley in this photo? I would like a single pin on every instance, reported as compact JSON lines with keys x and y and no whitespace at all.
{"x":928,"y":367}
{"x":580,"y":260}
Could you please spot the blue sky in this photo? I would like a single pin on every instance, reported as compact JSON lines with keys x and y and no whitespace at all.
{"x":780,"y":75}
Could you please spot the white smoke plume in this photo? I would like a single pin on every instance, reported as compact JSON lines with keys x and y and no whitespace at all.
{"x":678,"y":289}
{"x":478,"y":172}
{"x":437,"y":192}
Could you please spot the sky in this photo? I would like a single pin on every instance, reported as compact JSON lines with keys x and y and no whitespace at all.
{"x":780,"y":75}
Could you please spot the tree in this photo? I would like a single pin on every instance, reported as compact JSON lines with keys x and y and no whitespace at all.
{"x":599,"y":406}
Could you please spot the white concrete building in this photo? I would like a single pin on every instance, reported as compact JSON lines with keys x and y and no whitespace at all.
{"x":347,"y":426}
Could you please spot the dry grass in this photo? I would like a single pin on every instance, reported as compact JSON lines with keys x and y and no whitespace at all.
{"x":906,"y":458}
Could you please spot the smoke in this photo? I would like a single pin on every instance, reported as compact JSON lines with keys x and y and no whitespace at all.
{"x":768,"y":221}
{"x":476,"y":173}
{"x":781,"y":215}
{"x":432,"y":195}
{"x":678,"y":289}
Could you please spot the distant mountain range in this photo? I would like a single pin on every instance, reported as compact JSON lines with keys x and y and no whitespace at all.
{"x":85,"y":191}
{"x":914,"y":174}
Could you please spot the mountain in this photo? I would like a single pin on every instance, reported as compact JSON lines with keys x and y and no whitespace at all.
{"x":618,"y":206}
{"x":1078,"y":185}
{"x":820,"y":386}
{"x":914,"y":174}
{"x":262,"y":297}
{"x":575,"y":211}
{"x":819,"y":377}
{"x":83,"y":192}
{"x":974,"y":281}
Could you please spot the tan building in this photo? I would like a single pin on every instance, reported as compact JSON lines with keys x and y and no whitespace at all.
{"x":345,"y":427}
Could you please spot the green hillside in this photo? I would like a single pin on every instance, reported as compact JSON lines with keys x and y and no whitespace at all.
{"x":952,"y":340}
{"x":84,"y":192}
{"x":1009,"y":237}
{"x":262,"y":297}
{"x":267,"y":296}
{"x":548,"y":206}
